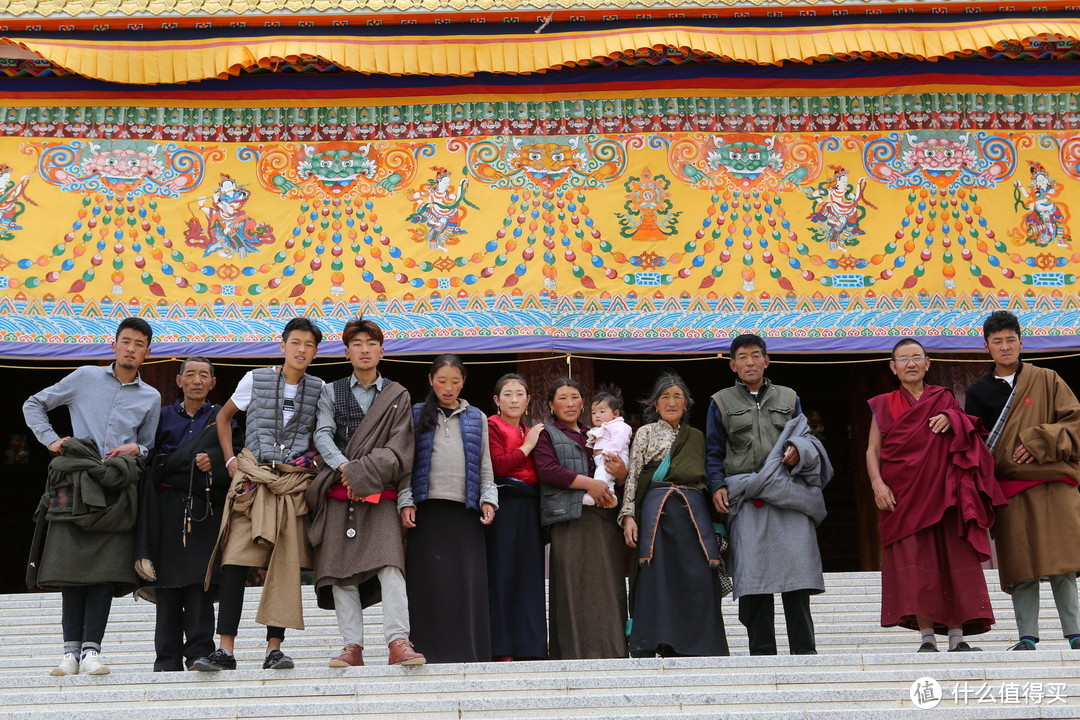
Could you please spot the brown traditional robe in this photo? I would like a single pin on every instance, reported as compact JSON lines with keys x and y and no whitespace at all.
{"x":380,"y":453}
{"x":1039,"y":532}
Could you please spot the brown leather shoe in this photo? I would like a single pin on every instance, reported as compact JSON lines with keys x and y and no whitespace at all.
{"x":351,"y":656}
{"x":402,"y":653}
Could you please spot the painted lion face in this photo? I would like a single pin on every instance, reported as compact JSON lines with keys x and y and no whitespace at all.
{"x":545,"y":158}
{"x":939,"y":156}
{"x":546,"y":162}
{"x":337,"y":166}
{"x":744,"y":158}
{"x":123,"y":163}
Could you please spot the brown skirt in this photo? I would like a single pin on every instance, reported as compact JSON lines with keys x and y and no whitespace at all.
{"x":936,"y":574}
{"x":588,"y":588}
{"x":1037,"y":533}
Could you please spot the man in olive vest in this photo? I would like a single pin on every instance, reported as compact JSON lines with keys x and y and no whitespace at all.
{"x":744,"y":423}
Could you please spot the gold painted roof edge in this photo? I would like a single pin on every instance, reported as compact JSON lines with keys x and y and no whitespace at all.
{"x":253,"y":9}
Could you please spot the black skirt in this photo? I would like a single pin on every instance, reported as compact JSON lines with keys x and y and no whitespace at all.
{"x":515,"y":561}
{"x":446,"y":579}
{"x":678,"y":593}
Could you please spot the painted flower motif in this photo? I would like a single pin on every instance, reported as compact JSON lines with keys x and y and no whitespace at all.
{"x":1046,"y":261}
{"x":648,"y":259}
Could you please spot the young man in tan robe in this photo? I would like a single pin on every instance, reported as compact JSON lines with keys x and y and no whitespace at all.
{"x":365,"y":435}
{"x":1034,"y":423}
{"x":262,"y":524}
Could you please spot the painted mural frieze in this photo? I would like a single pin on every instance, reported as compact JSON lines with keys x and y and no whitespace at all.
{"x":524,"y":241}
{"x":822,"y":115}
{"x":529,"y":175}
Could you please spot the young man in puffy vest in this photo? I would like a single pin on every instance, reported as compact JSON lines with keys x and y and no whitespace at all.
{"x":269,"y":477}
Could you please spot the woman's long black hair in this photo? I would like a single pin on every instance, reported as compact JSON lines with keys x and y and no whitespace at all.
{"x":429,"y":414}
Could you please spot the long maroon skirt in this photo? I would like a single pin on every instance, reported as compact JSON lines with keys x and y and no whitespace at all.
{"x":936,"y":574}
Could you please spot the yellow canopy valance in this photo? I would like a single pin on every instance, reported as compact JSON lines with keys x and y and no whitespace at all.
{"x":178,"y":61}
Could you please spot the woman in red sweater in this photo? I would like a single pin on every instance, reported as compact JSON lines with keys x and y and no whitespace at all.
{"x":515,"y":545}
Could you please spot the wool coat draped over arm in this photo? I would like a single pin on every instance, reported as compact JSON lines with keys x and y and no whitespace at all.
{"x":774,"y":513}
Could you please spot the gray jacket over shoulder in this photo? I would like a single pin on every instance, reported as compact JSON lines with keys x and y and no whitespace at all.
{"x":774,"y":547}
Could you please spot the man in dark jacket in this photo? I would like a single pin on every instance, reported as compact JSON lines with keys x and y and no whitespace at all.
{"x":183,"y":492}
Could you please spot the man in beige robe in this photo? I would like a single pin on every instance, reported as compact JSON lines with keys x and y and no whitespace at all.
{"x":1034,"y":423}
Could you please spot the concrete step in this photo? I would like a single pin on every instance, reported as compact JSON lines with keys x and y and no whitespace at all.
{"x":863,"y":671}
{"x":612,"y":688}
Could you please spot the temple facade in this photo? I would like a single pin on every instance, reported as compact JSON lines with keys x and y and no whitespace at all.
{"x":561,"y":185}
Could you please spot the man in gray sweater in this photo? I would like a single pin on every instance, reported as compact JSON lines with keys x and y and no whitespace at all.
{"x":115,"y":409}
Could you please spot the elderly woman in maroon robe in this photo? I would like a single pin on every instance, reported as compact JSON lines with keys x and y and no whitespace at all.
{"x":933,"y":481}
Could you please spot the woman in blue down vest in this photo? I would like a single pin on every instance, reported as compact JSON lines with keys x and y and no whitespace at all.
{"x":451,"y":496}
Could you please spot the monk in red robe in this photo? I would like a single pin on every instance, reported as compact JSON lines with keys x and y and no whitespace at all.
{"x":933,"y":481}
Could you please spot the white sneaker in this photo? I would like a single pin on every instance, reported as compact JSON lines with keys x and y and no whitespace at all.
{"x":91,"y":664}
{"x":68,"y":666}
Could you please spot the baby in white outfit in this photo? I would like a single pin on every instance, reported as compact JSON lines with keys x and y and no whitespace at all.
{"x":610,"y":434}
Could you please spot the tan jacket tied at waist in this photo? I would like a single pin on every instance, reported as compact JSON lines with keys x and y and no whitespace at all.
{"x":264,"y":528}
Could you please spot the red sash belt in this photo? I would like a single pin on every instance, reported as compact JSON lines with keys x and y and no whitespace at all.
{"x":338,"y":491}
{"x":1014,"y":487}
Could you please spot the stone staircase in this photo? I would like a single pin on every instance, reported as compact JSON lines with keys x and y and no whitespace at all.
{"x":863,"y":672}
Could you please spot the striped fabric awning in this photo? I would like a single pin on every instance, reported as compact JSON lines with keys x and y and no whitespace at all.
{"x":164,"y":60}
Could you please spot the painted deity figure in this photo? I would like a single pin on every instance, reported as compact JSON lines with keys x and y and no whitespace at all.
{"x":439,"y":207}
{"x":1045,"y":222}
{"x":11,"y":196}
{"x":229,"y":229}
{"x":838,"y":210}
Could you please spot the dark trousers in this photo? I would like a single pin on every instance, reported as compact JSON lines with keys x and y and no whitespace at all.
{"x":757,"y":614}
{"x":231,"y":603}
{"x":183,"y":612}
{"x":85,"y":613}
